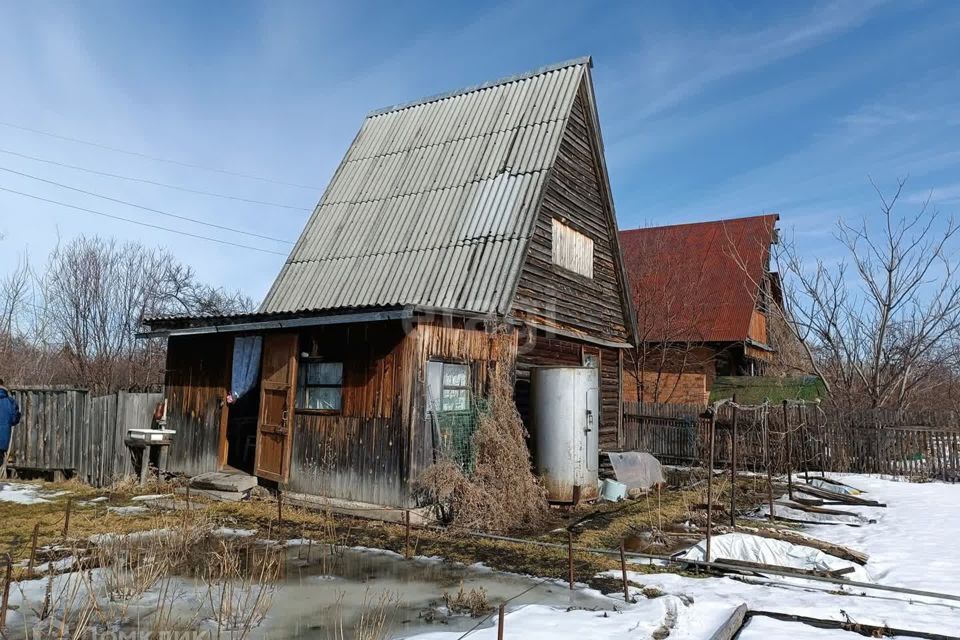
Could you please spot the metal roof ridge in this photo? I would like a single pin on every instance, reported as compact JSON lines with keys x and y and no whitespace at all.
{"x":587,"y":60}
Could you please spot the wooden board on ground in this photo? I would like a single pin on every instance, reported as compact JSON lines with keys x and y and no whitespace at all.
{"x":836,"y":497}
{"x":811,"y":509}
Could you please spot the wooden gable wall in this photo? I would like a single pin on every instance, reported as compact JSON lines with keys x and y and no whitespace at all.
{"x":550,"y":295}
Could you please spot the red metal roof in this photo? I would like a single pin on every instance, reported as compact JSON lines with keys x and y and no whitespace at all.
{"x":697,"y":282}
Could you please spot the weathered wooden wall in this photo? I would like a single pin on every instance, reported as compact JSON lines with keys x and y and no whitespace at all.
{"x":551,"y":295}
{"x":69,"y":430}
{"x":451,"y":340}
{"x":197,"y":380}
{"x":359,"y":453}
{"x":381,"y":441}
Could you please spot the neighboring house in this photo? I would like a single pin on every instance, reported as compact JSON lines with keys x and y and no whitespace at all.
{"x":702,"y":295}
{"x":448,"y":217}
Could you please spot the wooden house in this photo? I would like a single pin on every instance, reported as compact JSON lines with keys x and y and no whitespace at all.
{"x":448,"y":217}
{"x":704,"y":297}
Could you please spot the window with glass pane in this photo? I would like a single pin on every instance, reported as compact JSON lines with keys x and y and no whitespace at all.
{"x":454,"y":388}
{"x":449,"y":408}
{"x":320,"y":385}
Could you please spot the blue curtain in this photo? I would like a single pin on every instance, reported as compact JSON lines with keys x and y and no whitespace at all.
{"x":246,"y":364}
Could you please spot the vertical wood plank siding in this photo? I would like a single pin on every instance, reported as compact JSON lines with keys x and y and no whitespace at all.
{"x":68,"y":430}
{"x":452,"y":340}
{"x":381,"y":441}
{"x":549,"y":294}
{"x":359,"y":453}
{"x":198,"y":374}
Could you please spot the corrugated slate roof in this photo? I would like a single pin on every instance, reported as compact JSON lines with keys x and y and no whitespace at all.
{"x":434,"y":202}
{"x":697,"y":282}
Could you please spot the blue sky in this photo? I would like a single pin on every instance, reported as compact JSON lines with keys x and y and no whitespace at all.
{"x":708,"y":110}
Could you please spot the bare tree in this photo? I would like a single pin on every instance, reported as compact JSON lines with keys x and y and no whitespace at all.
{"x":880,"y":321}
{"x":87,"y":307}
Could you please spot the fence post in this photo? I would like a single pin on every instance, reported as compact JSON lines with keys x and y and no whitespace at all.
{"x":500,"y":613}
{"x":768,"y":459}
{"x":713,"y":424}
{"x":6,"y":593}
{"x":570,"y":558}
{"x":406,"y":537}
{"x":66,"y":520}
{"x":733,"y":466}
{"x":623,"y":573}
{"x":786,"y":429}
{"x":33,"y":550}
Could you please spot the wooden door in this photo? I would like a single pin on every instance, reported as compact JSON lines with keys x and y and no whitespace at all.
{"x":277,"y":392}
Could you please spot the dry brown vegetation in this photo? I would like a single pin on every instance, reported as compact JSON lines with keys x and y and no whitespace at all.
{"x":501,"y":493}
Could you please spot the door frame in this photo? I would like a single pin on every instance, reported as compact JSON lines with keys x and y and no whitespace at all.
{"x":222,"y":443}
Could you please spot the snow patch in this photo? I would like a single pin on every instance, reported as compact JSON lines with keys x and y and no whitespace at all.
{"x":20,"y":493}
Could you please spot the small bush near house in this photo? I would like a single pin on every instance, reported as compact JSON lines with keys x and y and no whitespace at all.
{"x":501,"y":493}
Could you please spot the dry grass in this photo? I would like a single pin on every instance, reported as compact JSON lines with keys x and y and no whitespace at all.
{"x":240,"y":585}
{"x":502,"y":493}
{"x":376,"y":616}
{"x":473,"y":603}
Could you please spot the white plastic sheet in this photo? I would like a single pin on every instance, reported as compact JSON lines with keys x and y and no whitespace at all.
{"x":741,"y":546}
{"x":637,"y":469}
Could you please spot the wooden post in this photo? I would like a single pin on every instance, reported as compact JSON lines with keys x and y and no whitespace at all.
{"x":406,"y":537}
{"x":279,"y":507}
{"x":801,"y":421}
{"x":6,"y":593}
{"x":786,"y":430}
{"x":713,"y":425}
{"x":733,"y":466}
{"x":623,"y":574}
{"x":66,"y":520}
{"x":188,"y":497}
{"x":570,"y":558}
{"x":500,"y":615}
{"x":769,"y":458}
{"x":33,"y":550}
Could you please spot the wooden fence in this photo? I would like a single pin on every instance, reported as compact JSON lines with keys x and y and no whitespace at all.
{"x":671,"y":432}
{"x":801,"y":437}
{"x":70,"y":431}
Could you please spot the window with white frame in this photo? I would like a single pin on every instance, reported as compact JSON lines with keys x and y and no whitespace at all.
{"x":572,"y":250}
{"x":320,"y":385}
{"x":450,"y":411}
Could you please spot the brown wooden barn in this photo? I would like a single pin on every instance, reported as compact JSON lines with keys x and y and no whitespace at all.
{"x":447,"y":217}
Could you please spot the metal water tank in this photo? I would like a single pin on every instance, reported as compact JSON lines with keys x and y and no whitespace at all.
{"x":565,"y":412}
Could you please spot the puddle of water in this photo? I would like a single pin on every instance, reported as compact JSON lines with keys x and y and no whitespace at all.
{"x":305,"y":605}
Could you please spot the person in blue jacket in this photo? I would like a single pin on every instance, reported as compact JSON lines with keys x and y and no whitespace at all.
{"x":9,"y":417}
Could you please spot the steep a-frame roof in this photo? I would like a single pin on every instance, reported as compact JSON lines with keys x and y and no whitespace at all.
{"x":435,"y":201}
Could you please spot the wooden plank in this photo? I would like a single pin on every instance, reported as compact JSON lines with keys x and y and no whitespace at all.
{"x":732,"y":625}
